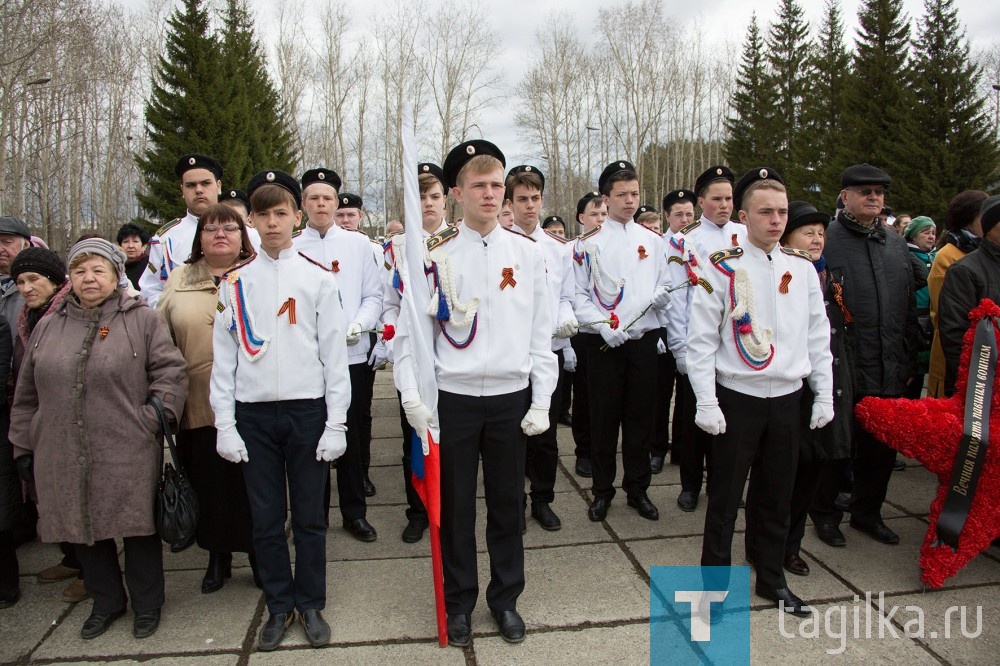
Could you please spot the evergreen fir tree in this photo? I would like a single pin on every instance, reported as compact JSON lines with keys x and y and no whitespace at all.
{"x":747,"y":144}
{"x":787,"y":55}
{"x":828,"y":65}
{"x":958,"y":147}
{"x":182,"y":115}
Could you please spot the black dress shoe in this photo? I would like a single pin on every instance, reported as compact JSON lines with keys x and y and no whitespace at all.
{"x":796,"y":565}
{"x":317,"y":630}
{"x":459,"y":632}
{"x":583,"y":468}
{"x":656,"y":464}
{"x":182,"y":546}
{"x":792,"y":604}
{"x":8,"y":601}
{"x":146,"y":623}
{"x":687,"y":501}
{"x":566,"y":419}
{"x":361,"y":529}
{"x":98,"y":623}
{"x":899,"y":466}
{"x":877,"y":531}
{"x":367,"y":486}
{"x":220,"y":567}
{"x":546,"y":517}
{"x":510,"y":624}
{"x":598,"y":510}
{"x":274,"y":630}
{"x":414,"y":530}
{"x":644,"y":507}
{"x":830,"y":535}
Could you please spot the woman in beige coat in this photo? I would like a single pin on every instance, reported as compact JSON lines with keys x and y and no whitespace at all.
{"x":188,"y":304}
{"x":80,"y":409}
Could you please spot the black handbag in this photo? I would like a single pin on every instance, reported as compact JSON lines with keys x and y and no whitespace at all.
{"x":176,"y":501}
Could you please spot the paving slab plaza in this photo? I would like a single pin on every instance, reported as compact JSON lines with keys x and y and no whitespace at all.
{"x":586,"y":600}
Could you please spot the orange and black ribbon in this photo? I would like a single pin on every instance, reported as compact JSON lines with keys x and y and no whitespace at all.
{"x":838,"y":296}
{"x":104,"y":330}
{"x":289,"y":307}
{"x":642,"y":252}
{"x":508,"y":278}
{"x":786,"y":280}
{"x":335,"y":266}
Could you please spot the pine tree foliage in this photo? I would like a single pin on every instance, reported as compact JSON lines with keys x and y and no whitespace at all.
{"x":747,"y":143}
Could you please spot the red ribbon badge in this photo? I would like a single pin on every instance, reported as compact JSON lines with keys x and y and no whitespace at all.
{"x":289,"y":307}
{"x":508,"y":278}
{"x":642,"y":252}
{"x":104,"y":332}
{"x":335,"y":266}
{"x":786,"y":279}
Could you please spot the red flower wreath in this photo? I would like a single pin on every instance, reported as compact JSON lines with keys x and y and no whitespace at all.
{"x":930,"y":431}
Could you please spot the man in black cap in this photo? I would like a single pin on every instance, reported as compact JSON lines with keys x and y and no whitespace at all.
{"x":495,"y":374}
{"x":622,"y":273}
{"x":688,"y":250}
{"x":875,"y":270}
{"x":170,"y":246}
{"x":14,"y":237}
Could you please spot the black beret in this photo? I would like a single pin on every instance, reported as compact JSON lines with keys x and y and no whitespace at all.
{"x":801,"y":213}
{"x":527,"y":168}
{"x":434,"y":170}
{"x":613,"y":168}
{"x":196,"y":161}
{"x":585,"y":200}
{"x":39,"y":260}
{"x":864,"y":174}
{"x":989,"y":214}
{"x":463,"y":152}
{"x":749,"y":178}
{"x":711,"y":175}
{"x":348,"y":200}
{"x":552,"y":219}
{"x":14,"y":226}
{"x":328,"y":176}
{"x":279,"y":178}
{"x":641,"y":210}
{"x":679,"y":196}
{"x":235,"y":195}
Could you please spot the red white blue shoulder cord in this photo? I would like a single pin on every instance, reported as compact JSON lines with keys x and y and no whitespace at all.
{"x":444,"y":300}
{"x":753,"y":344}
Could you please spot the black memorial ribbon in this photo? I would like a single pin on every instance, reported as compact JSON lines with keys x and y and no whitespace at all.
{"x":975,"y":438}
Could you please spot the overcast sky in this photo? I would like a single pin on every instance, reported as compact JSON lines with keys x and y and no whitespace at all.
{"x":515,"y":22}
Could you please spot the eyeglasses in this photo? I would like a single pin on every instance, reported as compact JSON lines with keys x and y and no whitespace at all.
{"x":867,"y":191}
{"x":230,"y":228}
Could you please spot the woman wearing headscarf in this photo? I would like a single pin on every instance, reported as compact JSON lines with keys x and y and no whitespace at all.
{"x":80,"y":410}
{"x":188,"y":305}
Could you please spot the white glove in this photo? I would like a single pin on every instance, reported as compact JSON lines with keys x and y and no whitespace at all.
{"x":661,"y":348}
{"x":709,"y":418}
{"x":661,"y":296}
{"x":230,"y":445}
{"x":682,"y":364}
{"x":332,"y":443}
{"x":353,"y":333}
{"x":419,"y":418}
{"x":379,"y":355}
{"x":614,"y":338}
{"x":568,"y":329}
{"x":535,"y":422}
{"x":822,"y":413}
{"x":569,"y":360}
{"x":390,"y":356}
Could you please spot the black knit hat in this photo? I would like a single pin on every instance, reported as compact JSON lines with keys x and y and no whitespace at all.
{"x":39,"y":260}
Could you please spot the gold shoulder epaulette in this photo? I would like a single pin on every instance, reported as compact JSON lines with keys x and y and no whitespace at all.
{"x":555,"y":236}
{"x":296,"y":233}
{"x":168,"y":226}
{"x":653,"y":231}
{"x":729,"y":253}
{"x":394,"y":233}
{"x":796,"y":253}
{"x":591,"y":232}
{"x":691,"y":227}
{"x":240,"y":265}
{"x":441,"y":237}
{"x":315,"y":263}
{"x":518,"y":233}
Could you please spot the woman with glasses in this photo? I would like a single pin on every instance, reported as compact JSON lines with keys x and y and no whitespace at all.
{"x":188,"y":304}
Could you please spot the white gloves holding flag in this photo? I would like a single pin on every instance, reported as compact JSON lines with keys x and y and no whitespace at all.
{"x":332,"y":443}
{"x":230,"y":445}
{"x":419,"y":418}
{"x":822,"y":412}
{"x":710,"y":418}
{"x":569,"y":359}
{"x":568,"y":329}
{"x":536,"y":421}
{"x":353,"y":333}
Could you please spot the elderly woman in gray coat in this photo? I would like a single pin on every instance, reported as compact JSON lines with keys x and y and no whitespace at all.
{"x":80,"y":409}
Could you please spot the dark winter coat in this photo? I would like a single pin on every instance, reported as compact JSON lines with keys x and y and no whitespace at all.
{"x":10,"y":484}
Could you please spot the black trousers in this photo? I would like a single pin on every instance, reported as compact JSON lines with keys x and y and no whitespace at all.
{"x":350,"y":466}
{"x":694,"y":451}
{"x":415,"y":509}
{"x":581,"y":343}
{"x":762,"y":439}
{"x":666,"y":373}
{"x":487,"y":427}
{"x":366,"y":411}
{"x":543,"y":451}
{"x":622,"y":377}
{"x":281,"y":439}
{"x":822,"y":509}
{"x":10,"y":570}
{"x":143,"y":574}
{"x":872,"y":467}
